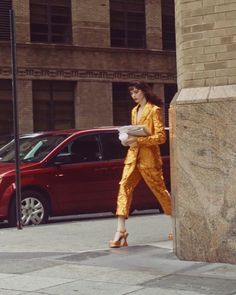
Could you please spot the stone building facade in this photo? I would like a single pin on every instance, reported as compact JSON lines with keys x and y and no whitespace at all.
{"x":75,"y":58}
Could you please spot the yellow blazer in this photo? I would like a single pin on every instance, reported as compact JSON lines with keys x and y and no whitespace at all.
{"x":147,"y":152}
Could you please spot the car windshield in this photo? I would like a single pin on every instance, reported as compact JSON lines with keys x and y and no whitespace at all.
{"x":31,"y":149}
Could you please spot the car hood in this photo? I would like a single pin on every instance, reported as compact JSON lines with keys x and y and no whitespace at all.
{"x":6,"y":168}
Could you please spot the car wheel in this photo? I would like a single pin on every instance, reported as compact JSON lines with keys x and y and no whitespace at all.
{"x":34,"y":209}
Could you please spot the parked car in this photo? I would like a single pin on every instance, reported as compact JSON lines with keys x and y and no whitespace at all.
{"x":4,"y":139}
{"x":68,"y":172}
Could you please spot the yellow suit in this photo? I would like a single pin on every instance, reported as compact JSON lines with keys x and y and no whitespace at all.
{"x":144,"y":160}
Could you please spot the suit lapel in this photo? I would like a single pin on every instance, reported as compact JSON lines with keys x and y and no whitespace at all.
{"x":147,"y":109}
{"x":134,"y":116}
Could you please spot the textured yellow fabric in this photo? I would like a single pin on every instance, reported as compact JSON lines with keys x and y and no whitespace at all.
{"x":144,"y":160}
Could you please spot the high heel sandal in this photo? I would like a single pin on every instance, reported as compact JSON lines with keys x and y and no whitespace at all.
{"x":121,"y":242}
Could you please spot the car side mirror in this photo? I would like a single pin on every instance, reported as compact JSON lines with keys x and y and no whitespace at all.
{"x":63,"y":158}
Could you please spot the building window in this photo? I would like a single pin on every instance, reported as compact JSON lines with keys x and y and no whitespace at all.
{"x":122,"y":104}
{"x":168,"y":24}
{"x":6,"y":108}
{"x":50,"y":21}
{"x":127,"y":21}
{"x":5,"y":6}
{"x":53,"y":105}
{"x":169,"y":92}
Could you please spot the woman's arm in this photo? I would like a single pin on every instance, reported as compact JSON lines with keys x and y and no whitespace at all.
{"x":159,"y":135}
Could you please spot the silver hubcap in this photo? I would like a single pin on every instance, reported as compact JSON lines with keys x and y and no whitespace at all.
{"x":32,"y":211}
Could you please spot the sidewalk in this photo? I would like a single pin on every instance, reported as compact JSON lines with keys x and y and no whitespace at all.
{"x":150,"y":269}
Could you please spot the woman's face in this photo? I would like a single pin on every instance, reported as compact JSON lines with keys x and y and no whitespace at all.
{"x":137,"y":95}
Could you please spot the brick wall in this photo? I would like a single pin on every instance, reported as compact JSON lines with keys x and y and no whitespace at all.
{"x":91,"y":23}
{"x":153,"y":24}
{"x":206,"y":42}
{"x":21,"y":9}
{"x":25,"y":105}
{"x":93,"y":104}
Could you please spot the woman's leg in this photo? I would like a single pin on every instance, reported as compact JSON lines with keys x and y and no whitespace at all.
{"x":120,"y":227}
{"x":130,"y":178}
{"x":155,"y":181}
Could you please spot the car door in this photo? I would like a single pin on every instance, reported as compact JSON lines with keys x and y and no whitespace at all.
{"x":113,"y":154}
{"x":78,"y":185}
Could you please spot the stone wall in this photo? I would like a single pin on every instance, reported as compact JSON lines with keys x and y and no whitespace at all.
{"x":203,"y":132}
{"x":206,"y":42}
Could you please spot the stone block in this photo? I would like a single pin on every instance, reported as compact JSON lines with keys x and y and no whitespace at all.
{"x":203,"y":172}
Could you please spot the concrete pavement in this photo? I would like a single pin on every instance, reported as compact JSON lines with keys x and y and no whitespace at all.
{"x":45,"y":260}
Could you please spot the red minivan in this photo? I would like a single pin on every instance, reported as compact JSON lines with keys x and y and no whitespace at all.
{"x":68,"y":172}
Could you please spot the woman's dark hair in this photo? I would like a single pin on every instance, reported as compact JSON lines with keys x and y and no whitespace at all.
{"x":147,"y":90}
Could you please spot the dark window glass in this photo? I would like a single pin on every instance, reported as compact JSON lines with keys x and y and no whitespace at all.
{"x":50,"y":21}
{"x":168,"y":24}
{"x":165,"y":147}
{"x":85,"y":149}
{"x":127,"y":19}
{"x":169,"y":91}
{"x":53,"y":105}
{"x":5,"y":6}
{"x":32,"y":148}
{"x":6,"y":108}
{"x":111,"y":147}
{"x":122,"y":104}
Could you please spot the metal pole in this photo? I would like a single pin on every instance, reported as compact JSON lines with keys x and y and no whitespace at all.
{"x":16,"y":119}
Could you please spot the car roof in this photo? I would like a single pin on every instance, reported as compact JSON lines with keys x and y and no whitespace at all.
{"x":69,"y":131}
{"x":74,"y":131}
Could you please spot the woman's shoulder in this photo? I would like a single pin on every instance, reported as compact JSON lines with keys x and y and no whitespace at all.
{"x":153,"y":107}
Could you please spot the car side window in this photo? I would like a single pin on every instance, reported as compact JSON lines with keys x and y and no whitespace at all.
{"x":111,"y":146}
{"x":85,"y":149}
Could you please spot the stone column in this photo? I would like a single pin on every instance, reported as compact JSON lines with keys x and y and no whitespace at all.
{"x":22,"y":20}
{"x":153,"y":24}
{"x":92,"y":110}
{"x":25,"y":104}
{"x":91,"y":23}
{"x":203,"y":132}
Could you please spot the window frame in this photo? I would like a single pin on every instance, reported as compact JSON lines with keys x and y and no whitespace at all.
{"x":51,"y":104}
{"x":49,"y":36}
{"x":5,"y":6}
{"x":125,"y":9}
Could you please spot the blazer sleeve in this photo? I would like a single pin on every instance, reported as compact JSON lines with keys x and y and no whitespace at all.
{"x":159,"y":134}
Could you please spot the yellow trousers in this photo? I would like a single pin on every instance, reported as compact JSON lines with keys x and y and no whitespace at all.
{"x":131,"y":176}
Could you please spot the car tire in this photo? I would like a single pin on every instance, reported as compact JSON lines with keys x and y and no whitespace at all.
{"x":34,"y":209}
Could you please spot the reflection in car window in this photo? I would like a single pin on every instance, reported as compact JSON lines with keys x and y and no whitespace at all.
{"x":32,"y":149}
{"x":85,"y":149}
{"x":111,"y":147}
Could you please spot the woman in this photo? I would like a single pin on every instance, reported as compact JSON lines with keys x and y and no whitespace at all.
{"x":143,"y":159}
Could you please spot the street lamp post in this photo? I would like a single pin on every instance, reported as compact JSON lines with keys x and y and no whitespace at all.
{"x":15,"y":119}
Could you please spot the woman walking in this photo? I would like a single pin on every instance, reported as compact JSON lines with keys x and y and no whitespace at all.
{"x":143,"y":159}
